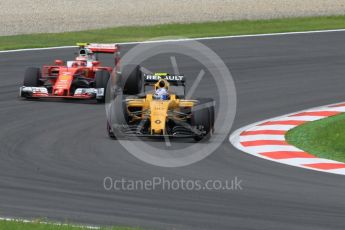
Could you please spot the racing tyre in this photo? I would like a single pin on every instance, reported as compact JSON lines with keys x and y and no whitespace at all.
{"x":209,"y":103}
{"x":101,"y":81}
{"x":110,"y":132}
{"x":32,"y":77}
{"x":133,"y":76}
{"x":204,"y":117}
{"x":118,"y":117}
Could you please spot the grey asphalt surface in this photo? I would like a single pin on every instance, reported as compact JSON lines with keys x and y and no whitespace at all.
{"x":55,"y":155}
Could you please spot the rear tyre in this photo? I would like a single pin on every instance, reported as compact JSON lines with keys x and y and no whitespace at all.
{"x":32,"y":77}
{"x":101,"y":81}
{"x":132,"y":77}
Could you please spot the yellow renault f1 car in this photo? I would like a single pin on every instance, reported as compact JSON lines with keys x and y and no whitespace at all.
{"x":161,"y":110}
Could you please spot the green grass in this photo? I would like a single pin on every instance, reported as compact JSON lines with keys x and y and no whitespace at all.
{"x":37,"y":225}
{"x":140,"y":33}
{"x":324,"y":138}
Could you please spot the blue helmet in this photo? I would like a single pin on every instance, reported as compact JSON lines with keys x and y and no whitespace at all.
{"x":161,"y":94}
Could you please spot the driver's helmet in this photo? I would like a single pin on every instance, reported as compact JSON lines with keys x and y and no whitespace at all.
{"x":161,"y":94}
{"x":85,"y":55}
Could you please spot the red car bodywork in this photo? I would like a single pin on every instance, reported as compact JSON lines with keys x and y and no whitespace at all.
{"x":58,"y":79}
{"x":62,"y":76}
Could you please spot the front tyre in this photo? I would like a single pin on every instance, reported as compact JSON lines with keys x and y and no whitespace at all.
{"x":203,"y":118}
{"x":110,"y":132}
{"x":210,"y":104}
{"x":101,"y":81}
{"x":32,"y":77}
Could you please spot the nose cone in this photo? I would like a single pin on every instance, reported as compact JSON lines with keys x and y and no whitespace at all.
{"x":62,"y":85}
{"x":159,"y":111}
{"x":59,"y":92}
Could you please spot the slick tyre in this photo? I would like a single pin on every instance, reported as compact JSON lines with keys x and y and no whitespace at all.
{"x":118,"y":118}
{"x":203,"y":116}
{"x":132,"y":79}
{"x":32,"y":77}
{"x":110,"y":132}
{"x":101,"y":81}
{"x":210,"y":104}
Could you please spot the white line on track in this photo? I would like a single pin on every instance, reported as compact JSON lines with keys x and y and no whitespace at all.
{"x":190,"y":39}
{"x":44,"y":222}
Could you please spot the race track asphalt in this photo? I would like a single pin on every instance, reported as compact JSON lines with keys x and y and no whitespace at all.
{"x":55,"y":155}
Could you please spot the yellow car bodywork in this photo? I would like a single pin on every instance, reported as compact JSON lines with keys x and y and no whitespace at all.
{"x":158,"y":111}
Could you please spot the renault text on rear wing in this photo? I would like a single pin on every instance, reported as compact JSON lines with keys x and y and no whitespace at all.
{"x":169,"y":78}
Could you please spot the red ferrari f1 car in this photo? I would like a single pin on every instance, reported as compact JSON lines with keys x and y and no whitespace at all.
{"x":82,"y":78}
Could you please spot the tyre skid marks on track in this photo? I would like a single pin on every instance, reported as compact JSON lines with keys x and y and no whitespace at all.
{"x":266,"y":139}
